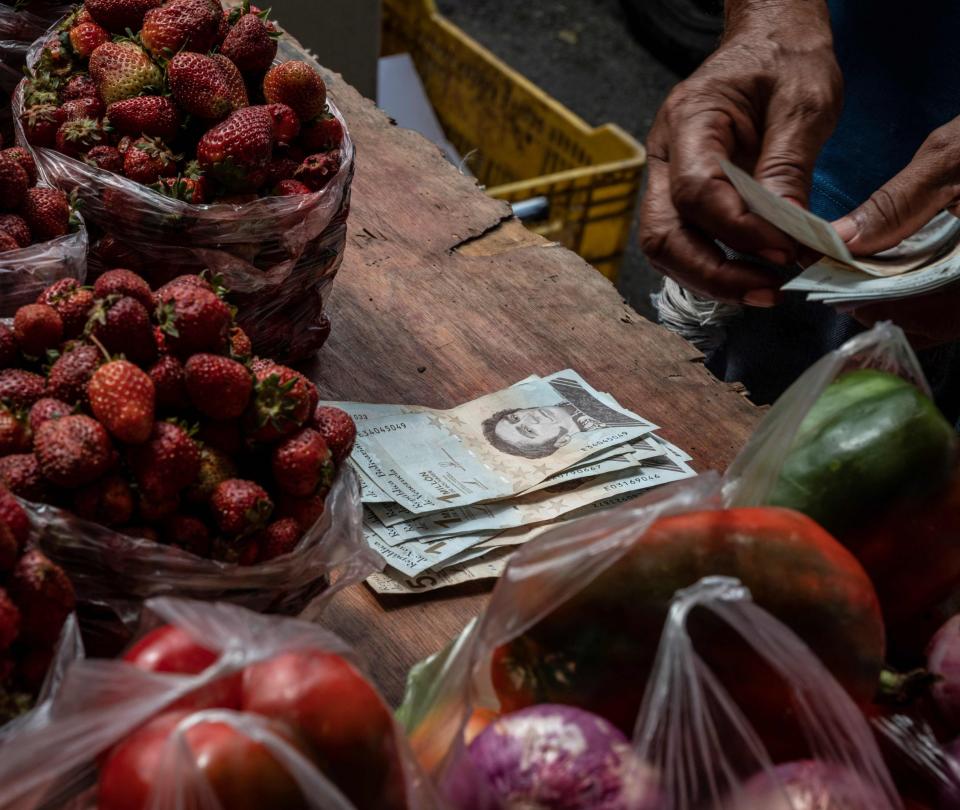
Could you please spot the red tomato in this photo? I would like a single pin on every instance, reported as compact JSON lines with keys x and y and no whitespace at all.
{"x":170,"y":649}
{"x":340,"y":715}
{"x":242,"y":773}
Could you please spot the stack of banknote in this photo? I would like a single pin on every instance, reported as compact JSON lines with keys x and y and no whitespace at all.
{"x":448,"y":494}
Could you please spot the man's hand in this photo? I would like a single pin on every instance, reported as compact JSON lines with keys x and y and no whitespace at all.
{"x":767,"y":100}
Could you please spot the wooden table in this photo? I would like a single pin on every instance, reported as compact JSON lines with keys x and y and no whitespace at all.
{"x":443,"y":297}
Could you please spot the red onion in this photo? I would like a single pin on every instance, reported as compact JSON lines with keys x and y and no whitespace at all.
{"x":808,"y":785}
{"x":943,"y":661}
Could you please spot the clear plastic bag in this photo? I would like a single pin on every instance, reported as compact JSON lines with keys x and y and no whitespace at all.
{"x":117,"y":571}
{"x":102,"y":701}
{"x":278,"y":255}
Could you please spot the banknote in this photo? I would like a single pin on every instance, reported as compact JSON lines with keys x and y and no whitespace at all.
{"x":393,"y":582}
{"x":494,"y":447}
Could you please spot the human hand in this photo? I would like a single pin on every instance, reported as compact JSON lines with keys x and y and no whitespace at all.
{"x":767,"y":100}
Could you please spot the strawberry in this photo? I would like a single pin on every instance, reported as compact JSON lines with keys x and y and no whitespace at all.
{"x":290,"y":188}
{"x":147,"y":160}
{"x":338,"y":430}
{"x":167,"y":463}
{"x":73,"y":450}
{"x":187,"y":532}
{"x":306,"y":511}
{"x":237,"y":151}
{"x":8,"y":347}
{"x":78,"y":108}
{"x":302,"y":463}
{"x":44,"y":595}
{"x":123,"y":70}
{"x":240,"y":346}
{"x":250,"y":45}
{"x":9,"y":620}
{"x":124,"y":283}
{"x":180,"y":25}
{"x":191,"y":280}
{"x":16,"y":228}
{"x":281,"y":402}
{"x":207,"y":87}
{"x":188,"y":189}
{"x":217,"y":386}
{"x":122,"y":398}
{"x":105,"y":157}
{"x":86,"y":37}
{"x":319,"y":169}
{"x":14,"y":182}
{"x":193,"y":319}
{"x":22,"y":156}
{"x":281,"y":168}
{"x":21,"y":388}
{"x":20,"y":473}
{"x":43,"y":410}
{"x":322,"y":135}
{"x":154,"y":509}
{"x":40,"y":124}
{"x":122,"y":324}
{"x":8,"y":243}
{"x":112,"y":252}
{"x":71,"y":371}
{"x":297,"y":85}
{"x":37,"y":328}
{"x":47,"y":212}
{"x":286,"y":125}
{"x":55,"y":59}
{"x":79,"y":85}
{"x":14,"y":431}
{"x":79,"y":135}
{"x":168,"y":384}
{"x":8,"y":557}
{"x":13,"y":515}
{"x":215,"y":468}
{"x":154,"y":116}
{"x":240,"y":507}
{"x":279,"y":538}
{"x":108,"y":501}
{"x":119,"y":15}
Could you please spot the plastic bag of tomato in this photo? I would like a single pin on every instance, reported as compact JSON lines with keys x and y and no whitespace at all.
{"x":216,"y":707}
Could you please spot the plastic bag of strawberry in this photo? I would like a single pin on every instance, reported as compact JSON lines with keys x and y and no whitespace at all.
{"x":232,"y":709}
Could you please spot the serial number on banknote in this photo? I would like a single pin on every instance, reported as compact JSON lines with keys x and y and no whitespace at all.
{"x":382,"y":429}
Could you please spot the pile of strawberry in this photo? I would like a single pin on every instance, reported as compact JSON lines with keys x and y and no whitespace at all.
{"x":35,"y":599}
{"x":185,"y":438}
{"x":182,"y":96}
{"x":28,"y":213}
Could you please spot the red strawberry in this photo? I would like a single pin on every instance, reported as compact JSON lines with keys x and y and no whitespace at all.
{"x":279,"y":538}
{"x":88,"y":107}
{"x":108,"y":501}
{"x":168,"y":384}
{"x":338,"y":430}
{"x":16,"y":228}
{"x":217,"y":386}
{"x":191,"y":280}
{"x":302,"y":463}
{"x":147,"y":160}
{"x":22,"y":156}
{"x":86,"y":37}
{"x":9,"y":620}
{"x":114,"y":253}
{"x":154,"y":116}
{"x":40,"y":124}
{"x":322,"y":135}
{"x":193,"y":319}
{"x":73,"y":450}
{"x":240,"y":345}
{"x":105,"y":157}
{"x":37,"y":328}
{"x":281,"y":402}
{"x":21,"y":474}
{"x":119,"y":15}
{"x":240,"y":507}
{"x":79,"y":135}
{"x":44,"y":595}
{"x":319,"y":169}
{"x":21,"y":388}
{"x":8,"y":243}
{"x":306,"y":511}
{"x":47,"y":212}
{"x":12,"y":515}
{"x":297,"y":85}
{"x":122,"y":325}
{"x":167,"y":463}
{"x":123,"y":70}
{"x":205,"y":86}
{"x":215,"y":468}
{"x":281,"y":168}
{"x":79,"y":85}
{"x":45,"y":409}
{"x":13,"y":183}
{"x":153,"y":510}
{"x":8,"y":347}
{"x":71,"y":372}
{"x":181,"y":25}
{"x":124,"y":282}
{"x":187,"y":532}
{"x":237,"y":151}
{"x":14,"y":431}
{"x":290,"y":188}
{"x":188,"y":189}
{"x":122,"y":398}
{"x":286,"y":125}
{"x":250,"y":44}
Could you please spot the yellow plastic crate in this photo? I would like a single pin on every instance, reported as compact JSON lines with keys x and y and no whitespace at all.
{"x":521,"y":143}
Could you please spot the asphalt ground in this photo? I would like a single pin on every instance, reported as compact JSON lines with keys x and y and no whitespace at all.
{"x":584,"y":55}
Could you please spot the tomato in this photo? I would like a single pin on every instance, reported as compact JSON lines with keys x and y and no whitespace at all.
{"x":242,"y":773}
{"x":170,"y":649}
{"x":345,"y":721}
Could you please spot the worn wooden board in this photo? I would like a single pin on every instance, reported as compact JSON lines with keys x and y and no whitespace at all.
{"x":442,"y":298}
